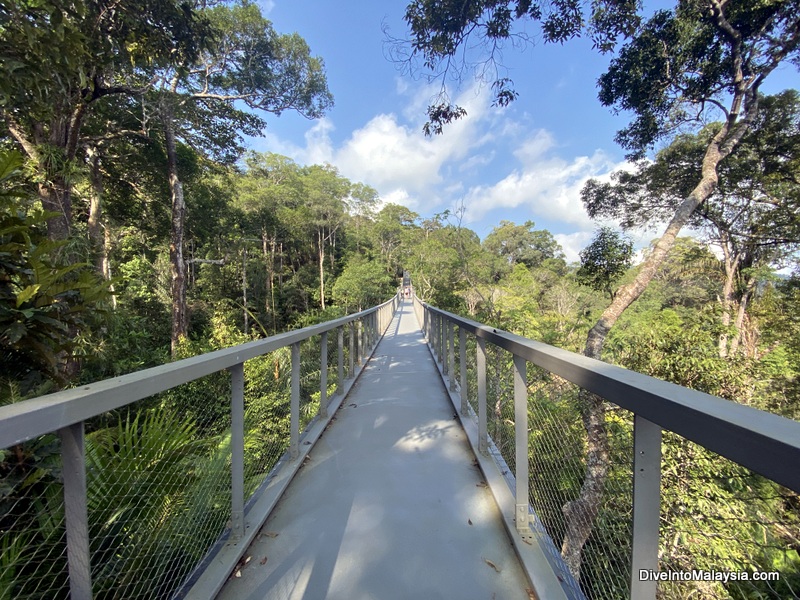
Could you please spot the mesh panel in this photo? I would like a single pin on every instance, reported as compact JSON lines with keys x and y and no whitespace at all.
{"x":33,"y":543}
{"x":500,"y":402}
{"x":557,"y":463}
{"x":266,"y":415}
{"x":158,"y":490}
{"x":718,"y":516}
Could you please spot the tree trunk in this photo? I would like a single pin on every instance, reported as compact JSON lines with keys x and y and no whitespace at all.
{"x":741,"y":314}
{"x":56,"y":198}
{"x":96,"y":234}
{"x":180,"y":319}
{"x":321,"y":241}
{"x":727,"y":299}
{"x":581,"y":512}
{"x":244,"y":292}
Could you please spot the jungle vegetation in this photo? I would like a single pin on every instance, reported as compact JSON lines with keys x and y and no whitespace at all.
{"x":136,"y":229}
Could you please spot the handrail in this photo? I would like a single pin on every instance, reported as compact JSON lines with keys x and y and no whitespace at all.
{"x":66,"y":411}
{"x":765,"y":443}
{"x":34,"y":417}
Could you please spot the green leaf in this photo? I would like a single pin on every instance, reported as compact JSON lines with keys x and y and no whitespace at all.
{"x":28,"y":293}
{"x":15,"y":332}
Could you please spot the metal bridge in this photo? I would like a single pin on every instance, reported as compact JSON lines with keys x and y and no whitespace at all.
{"x":417,"y":454}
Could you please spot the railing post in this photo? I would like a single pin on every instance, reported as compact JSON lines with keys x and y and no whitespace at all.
{"x":294,"y":424}
{"x":437,"y":336}
{"x":451,"y":355}
{"x":462,"y":361}
{"x":440,"y":340}
{"x":73,"y":461}
{"x":323,"y":374}
{"x":359,"y":342}
{"x":237,"y":451}
{"x":434,"y":334}
{"x":646,"y":506}
{"x":445,"y":346}
{"x":352,"y":356}
{"x":340,"y":359}
{"x":483,"y":436}
{"x":521,"y":443}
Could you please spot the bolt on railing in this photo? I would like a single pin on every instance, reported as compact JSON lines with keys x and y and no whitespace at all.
{"x":527,"y":398}
{"x":137,"y":488}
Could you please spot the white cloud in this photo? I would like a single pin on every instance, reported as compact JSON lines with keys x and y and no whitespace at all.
{"x":319,"y":148}
{"x":573,"y":243}
{"x":395,"y":157}
{"x":546,"y":185}
{"x":266,"y":6}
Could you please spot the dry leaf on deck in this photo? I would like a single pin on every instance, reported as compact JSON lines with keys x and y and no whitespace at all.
{"x":491,"y":564}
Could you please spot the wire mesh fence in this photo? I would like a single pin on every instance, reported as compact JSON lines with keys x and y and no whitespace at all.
{"x":32,"y":530}
{"x":267,"y":380}
{"x":719,"y":520}
{"x":158,"y":471}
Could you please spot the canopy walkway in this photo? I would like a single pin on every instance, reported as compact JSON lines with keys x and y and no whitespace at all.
{"x":415,"y":453}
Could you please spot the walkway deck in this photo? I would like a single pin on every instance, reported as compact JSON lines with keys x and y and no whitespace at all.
{"x":390,"y":503}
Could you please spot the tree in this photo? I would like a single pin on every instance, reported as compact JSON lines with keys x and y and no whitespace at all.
{"x":522,"y":244}
{"x":61,"y":61}
{"x":324,"y":192}
{"x":362,"y":283}
{"x":197,"y":98}
{"x":605,"y":260}
{"x":42,"y":301}
{"x":392,"y":225}
{"x":671,"y":71}
{"x":751,"y":214}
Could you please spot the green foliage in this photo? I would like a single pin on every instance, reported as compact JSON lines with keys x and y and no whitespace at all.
{"x":140,"y":478}
{"x":43,"y":303}
{"x":522,"y":244}
{"x":605,"y":260}
{"x":362,"y":284}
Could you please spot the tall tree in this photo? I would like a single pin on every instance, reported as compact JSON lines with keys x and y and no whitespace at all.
{"x":673,"y":69}
{"x":325,"y":193}
{"x":751,"y":215}
{"x":60,"y":60}
{"x":198,"y":103}
{"x":522,"y":244}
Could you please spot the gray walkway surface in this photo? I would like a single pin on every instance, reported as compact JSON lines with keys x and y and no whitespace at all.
{"x":390,"y":504}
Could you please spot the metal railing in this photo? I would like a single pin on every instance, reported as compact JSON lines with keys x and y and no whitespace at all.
{"x":142,"y":485}
{"x":728,"y":466}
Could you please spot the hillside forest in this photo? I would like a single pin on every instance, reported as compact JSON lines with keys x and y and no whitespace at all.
{"x":137,"y":229}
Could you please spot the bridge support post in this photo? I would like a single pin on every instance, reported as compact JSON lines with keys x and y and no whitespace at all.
{"x":323,"y":374}
{"x":483,"y":436}
{"x":646,"y":505}
{"x":359,"y":342}
{"x":73,"y":460}
{"x":521,"y":444}
{"x":445,"y":324}
{"x":237,"y":451}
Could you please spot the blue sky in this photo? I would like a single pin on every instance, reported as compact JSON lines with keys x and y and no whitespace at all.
{"x":527,"y":161}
